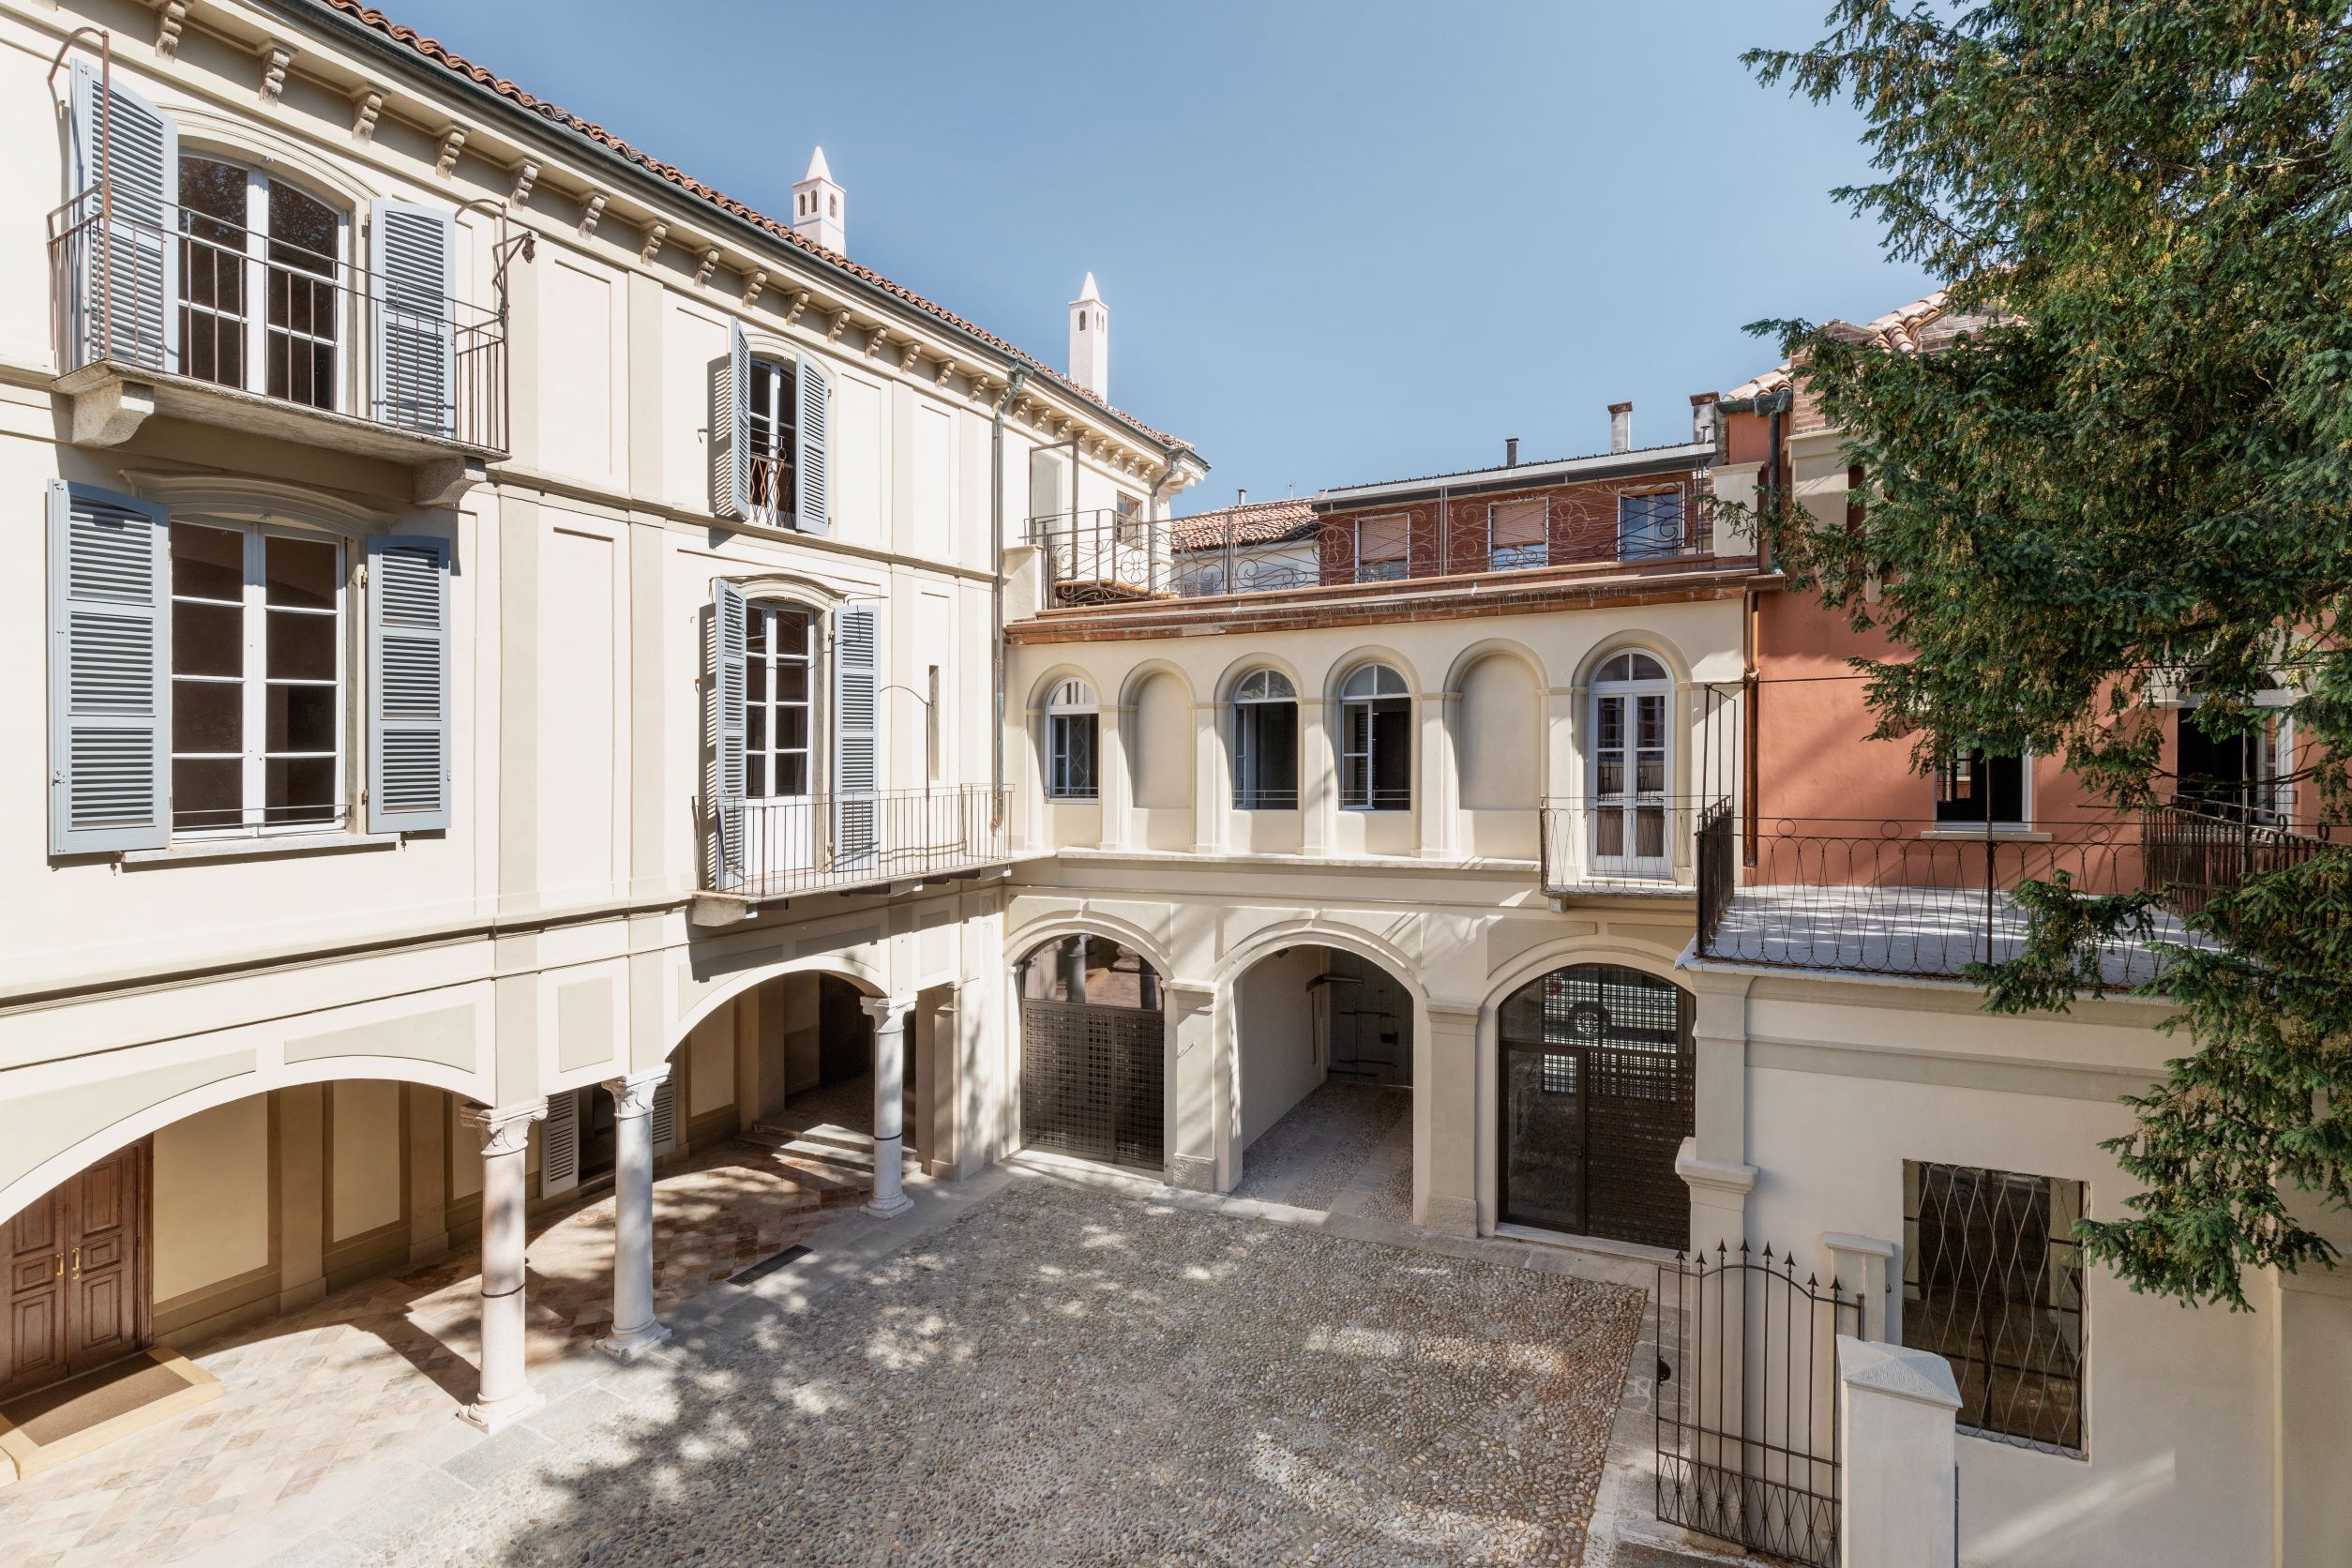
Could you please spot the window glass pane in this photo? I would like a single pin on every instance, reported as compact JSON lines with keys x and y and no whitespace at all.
{"x":300,"y":573}
{"x":207,"y":716}
{"x":791,"y":682}
{"x":1391,"y":756}
{"x":755,"y":726}
{"x":301,"y":718}
{"x":755,"y":632}
{"x":300,"y":788}
{"x":792,"y":772}
{"x":207,"y":638}
{"x":755,"y":679}
{"x":206,"y":792}
{"x":301,"y":646}
{"x":791,"y":728}
{"x":207,"y":563}
{"x":301,"y":233}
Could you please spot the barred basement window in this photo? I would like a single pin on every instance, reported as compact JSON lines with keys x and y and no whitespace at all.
{"x":1993,"y":1282}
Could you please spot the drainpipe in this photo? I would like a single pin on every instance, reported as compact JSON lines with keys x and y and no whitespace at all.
{"x":996,"y":590}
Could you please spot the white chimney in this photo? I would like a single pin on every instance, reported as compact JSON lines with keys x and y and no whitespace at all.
{"x":1089,"y":340}
{"x":1621,"y":427}
{"x":817,"y":204}
{"x":1703,"y":415}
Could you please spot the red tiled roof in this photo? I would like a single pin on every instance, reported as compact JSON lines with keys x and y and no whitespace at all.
{"x":433,"y":50}
{"x":1922,"y":326}
{"x":1255,"y":522}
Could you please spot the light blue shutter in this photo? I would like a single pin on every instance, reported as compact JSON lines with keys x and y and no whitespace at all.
{"x":408,"y":684}
{"x":413,"y":264}
{"x":813,"y":385}
{"x":559,"y":1144}
{"x":125,"y":288}
{"x":110,"y":672}
{"x":729,"y":626}
{"x":856,"y":765}
{"x":730,"y":430}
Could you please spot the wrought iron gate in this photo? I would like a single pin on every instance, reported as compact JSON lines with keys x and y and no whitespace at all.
{"x":1092,"y":1079}
{"x":1747,"y":1402}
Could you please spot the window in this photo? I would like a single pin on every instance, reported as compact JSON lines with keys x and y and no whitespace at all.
{"x":777,"y":640}
{"x":1993,"y":1282}
{"x":259,"y":305}
{"x":2236,"y":775}
{"x":771,"y":403}
{"x":1376,"y":749}
{"x":1980,"y":788}
{"x":1632,"y":764}
{"x":1073,"y":723}
{"x":1265,"y":743}
{"x":1381,"y":554}
{"x":1648,"y":525}
{"x":257,"y":679}
{"x":1518,"y":534}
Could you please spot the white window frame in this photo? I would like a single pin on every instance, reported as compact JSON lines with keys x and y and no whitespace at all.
{"x":256,"y":681}
{"x":1543,"y":556}
{"x":1261,"y":689}
{"x":1628,"y":805}
{"x":781,"y":381}
{"x":258,"y":271}
{"x":1964,"y":827}
{"x":1072,"y":703}
{"x":811,"y":751}
{"x":1365,"y":688}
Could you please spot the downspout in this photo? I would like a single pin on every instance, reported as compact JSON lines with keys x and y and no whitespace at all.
{"x":1773,"y":406}
{"x":996,"y":590}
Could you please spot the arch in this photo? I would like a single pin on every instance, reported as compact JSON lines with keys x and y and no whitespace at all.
{"x":1157,"y":738}
{"x":123,"y":1131}
{"x":244,"y":139}
{"x":1336,"y":674}
{"x":1238,"y":669}
{"x":1544,"y":958}
{"x":1021,"y":943}
{"x":776,"y":587}
{"x":1323,"y":933}
{"x":1131,"y":685}
{"x":1657,"y":645}
{"x":866,"y":976}
{"x":1041,"y":690}
{"x":1501,"y":740}
{"x":1494,"y":647}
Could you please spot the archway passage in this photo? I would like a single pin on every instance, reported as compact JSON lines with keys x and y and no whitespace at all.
{"x":1323,"y":1045}
{"x":1599,"y":1079}
{"x":1094,"y":1053}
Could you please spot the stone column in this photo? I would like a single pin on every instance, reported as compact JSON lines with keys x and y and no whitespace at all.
{"x":889,"y":1013}
{"x":1864,"y":1267}
{"x":1896,"y":1434}
{"x":1318,"y":778}
{"x":635,"y":1332}
{"x":1446,"y":1123}
{"x":505,"y":1395}
{"x":1201,"y":1157}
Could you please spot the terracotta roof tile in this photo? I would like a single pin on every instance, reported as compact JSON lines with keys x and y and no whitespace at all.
{"x":1922,"y":326}
{"x":1255,"y":522}
{"x":432,"y":49}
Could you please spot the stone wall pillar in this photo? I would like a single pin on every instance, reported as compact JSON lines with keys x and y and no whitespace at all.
{"x":1446,"y":1120}
{"x":1864,"y":1267}
{"x":427,"y":1117}
{"x":1433,"y":794}
{"x":1210,"y":799}
{"x":889,"y":1013}
{"x":1714,"y":1160}
{"x":635,"y":1330}
{"x":1895,"y":1438}
{"x":301,"y":1125}
{"x":2311,"y":1314}
{"x":1318,"y":777}
{"x":507,"y":1395}
{"x":1115,"y":777}
{"x":1201,"y":1157}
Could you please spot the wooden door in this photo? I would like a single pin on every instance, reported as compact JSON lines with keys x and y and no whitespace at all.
{"x":77,"y":1294}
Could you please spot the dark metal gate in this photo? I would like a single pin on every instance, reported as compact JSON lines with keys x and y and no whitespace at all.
{"x":1092,"y":1080}
{"x":1747,"y":1402}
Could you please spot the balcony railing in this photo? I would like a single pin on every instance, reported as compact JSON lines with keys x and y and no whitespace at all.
{"x":1636,"y":844}
{"x":1103,"y":557}
{"x":1929,"y":898}
{"x":777,"y":848}
{"x":263,"y":316}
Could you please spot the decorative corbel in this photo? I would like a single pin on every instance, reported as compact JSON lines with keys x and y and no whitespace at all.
{"x":367,"y":104}
{"x":655,"y":235}
{"x":452,"y":143}
{"x":710,"y":265}
{"x":591,"y":211}
{"x":752,"y":285}
{"x":939,"y":377}
{"x":875,"y":340}
{"x":276,"y":57}
{"x":906,"y":360}
{"x":526,"y":176}
{"x":171,"y":16}
{"x":840,"y":325}
{"x":794,"y":311}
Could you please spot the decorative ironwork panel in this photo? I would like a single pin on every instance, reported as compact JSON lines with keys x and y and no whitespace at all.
{"x":1993,"y":1282}
{"x":1091,"y":1081}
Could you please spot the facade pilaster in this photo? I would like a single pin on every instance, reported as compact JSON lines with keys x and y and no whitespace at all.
{"x":1446,"y":1120}
{"x":1116,"y":795}
{"x":1201,"y":1157}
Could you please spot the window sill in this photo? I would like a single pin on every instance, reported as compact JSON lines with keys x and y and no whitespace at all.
{"x":2000,"y":834}
{"x":260,"y":849}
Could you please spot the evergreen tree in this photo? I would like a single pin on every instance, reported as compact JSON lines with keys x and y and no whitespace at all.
{"x":2133,"y":471}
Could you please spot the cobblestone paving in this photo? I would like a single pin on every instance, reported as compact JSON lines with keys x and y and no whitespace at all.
{"x":1322,"y":1143}
{"x":1073,"y":1377}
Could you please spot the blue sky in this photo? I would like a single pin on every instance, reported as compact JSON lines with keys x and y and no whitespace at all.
{"x":1339,"y":243}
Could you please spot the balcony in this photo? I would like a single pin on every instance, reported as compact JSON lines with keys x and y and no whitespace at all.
{"x":758,"y":852}
{"x":1642,"y":846}
{"x":159,"y":310}
{"x":1922,"y":899}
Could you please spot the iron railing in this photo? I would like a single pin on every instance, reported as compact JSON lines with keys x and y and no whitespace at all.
{"x":775,"y":848}
{"x":1438,"y":542}
{"x":269,"y":317}
{"x":1637,"y":844}
{"x":1929,"y":898}
{"x":1103,"y":556}
{"x":1746,"y":1402}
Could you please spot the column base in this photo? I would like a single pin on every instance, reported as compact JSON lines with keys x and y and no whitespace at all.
{"x":500,"y":1414}
{"x":1451,"y":1216}
{"x":636,"y":1344}
{"x":1192,"y":1173}
{"x":892,"y":1207}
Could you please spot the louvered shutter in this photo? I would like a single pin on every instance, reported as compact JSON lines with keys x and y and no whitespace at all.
{"x":730,"y":626}
{"x":813,"y":385}
{"x":408,"y":684}
{"x":731,"y":430}
{"x":110,"y":672}
{"x":665,"y":1128}
{"x":856,"y":765}
{"x":413,"y":262}
{"x":559,"y":1144}
{"x":125,"y":286}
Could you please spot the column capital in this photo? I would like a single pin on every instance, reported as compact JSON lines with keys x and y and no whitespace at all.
{"x":888,"y":1012}
{"x":633,"y":1093}
{"x":503,"y":1129}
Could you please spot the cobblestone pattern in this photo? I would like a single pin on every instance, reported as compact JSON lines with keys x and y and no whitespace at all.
{"x":1070,"y":1376}
{"x":1309,"y":1156}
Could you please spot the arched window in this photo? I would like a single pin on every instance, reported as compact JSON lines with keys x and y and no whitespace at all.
{"x":1265,"y":743}
{"x":260,"y":306}
{"x":1633,"y":765}
{"x":1073,"y":727}
{"x":1376,"y":747}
